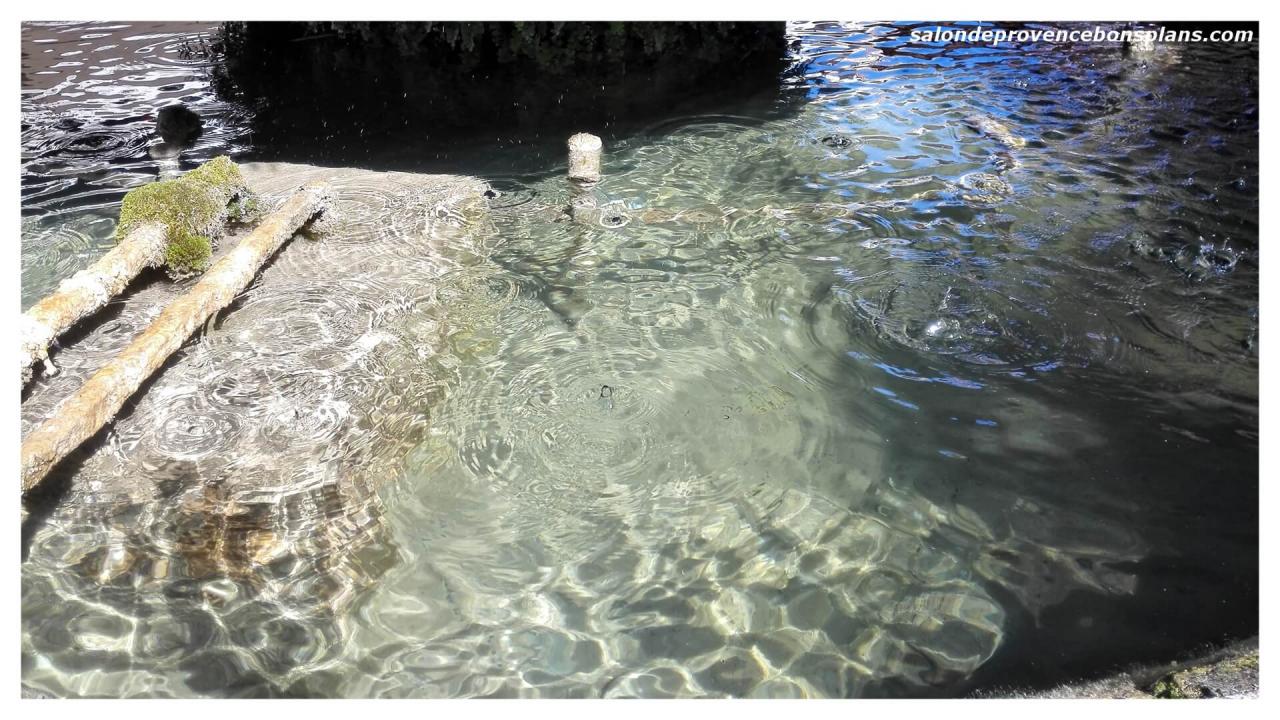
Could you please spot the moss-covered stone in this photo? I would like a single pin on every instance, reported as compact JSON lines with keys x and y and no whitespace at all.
{"x":1234,"y":676}
{"x":194,"y":208}
{"x":218,"y":171}
{"x":187,"y":254}
{"x":1167,"y":688}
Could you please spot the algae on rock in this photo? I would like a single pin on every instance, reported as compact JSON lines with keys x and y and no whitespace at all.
{"x":193,"y":208}
{"x":1235,"y":676}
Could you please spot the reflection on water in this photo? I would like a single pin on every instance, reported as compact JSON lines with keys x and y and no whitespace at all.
{"x":90,"y":92}
{"x":866,"y":401}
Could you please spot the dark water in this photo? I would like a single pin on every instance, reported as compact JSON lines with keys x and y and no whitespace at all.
{"x":846,"y":399}
{"x":485,"y":95}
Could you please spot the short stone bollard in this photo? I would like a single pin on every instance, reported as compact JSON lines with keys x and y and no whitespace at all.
{"x":584,"y":158}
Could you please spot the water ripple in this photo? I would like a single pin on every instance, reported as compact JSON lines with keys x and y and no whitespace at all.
{"x":862,"y":400}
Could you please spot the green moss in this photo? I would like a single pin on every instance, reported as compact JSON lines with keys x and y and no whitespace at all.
{"x":187,"y":254}
{"x":194,"y":209}
{"x":177,"y":204}
{"x":1206,"y":680}
{"x":1168,"y":688}
{"x":220,"y":172}
{"x":244,"y":209}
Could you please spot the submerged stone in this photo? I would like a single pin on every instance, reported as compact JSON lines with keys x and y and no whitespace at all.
{"x":230,"y":456}
{"x":984,"y":188}
{"x":837,"y":140}
{"x":995,"y":130}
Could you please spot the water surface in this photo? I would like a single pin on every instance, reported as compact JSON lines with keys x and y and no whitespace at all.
{"x":858,"y":401}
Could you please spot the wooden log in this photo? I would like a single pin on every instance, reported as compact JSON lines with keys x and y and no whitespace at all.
{"x":88,"y":291}
{"x":80,"y":416}
{"x":173,"y":224}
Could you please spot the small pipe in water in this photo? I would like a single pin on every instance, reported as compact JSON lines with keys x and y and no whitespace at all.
{"x":585,"y":150}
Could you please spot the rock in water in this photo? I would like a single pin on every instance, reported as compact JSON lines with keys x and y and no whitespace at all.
{"x":984,"y":188}
{"x":995,"y":130}
{"x":1142,"y":43}
{"x":178,"y":125}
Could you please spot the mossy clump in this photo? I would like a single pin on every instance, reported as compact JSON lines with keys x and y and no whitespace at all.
{"x":219,"y":171}
{"x":244,"y":209}
{"x":1166,"y":688}
{"x":1233,"y":676}
{"x":193,"y":208}
{"x":187,"y":254}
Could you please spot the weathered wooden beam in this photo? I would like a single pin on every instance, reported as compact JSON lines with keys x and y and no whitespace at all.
{"x":81,"y":415}
{"x":172,"y":224}
{"x":88,"y":291}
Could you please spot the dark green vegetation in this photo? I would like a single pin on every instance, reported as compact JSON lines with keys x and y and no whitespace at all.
{"x":187,"y":253}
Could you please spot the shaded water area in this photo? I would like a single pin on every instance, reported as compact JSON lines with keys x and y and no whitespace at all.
{"x":852,"y":400}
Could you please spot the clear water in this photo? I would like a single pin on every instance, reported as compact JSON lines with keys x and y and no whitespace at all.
{"x":858,"y":401}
